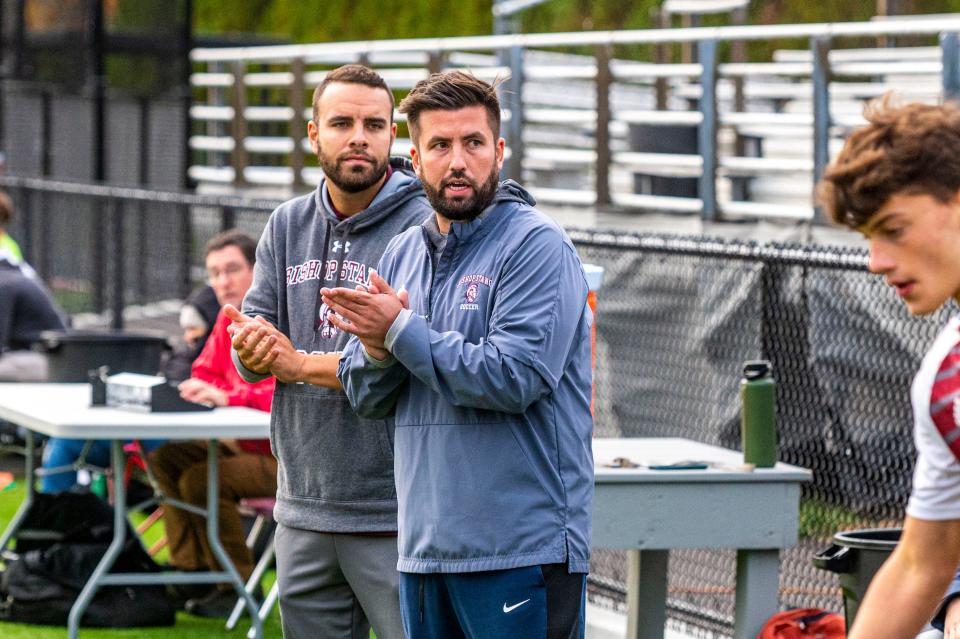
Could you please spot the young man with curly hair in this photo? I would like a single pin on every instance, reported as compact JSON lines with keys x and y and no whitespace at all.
{"x":897,"y":181}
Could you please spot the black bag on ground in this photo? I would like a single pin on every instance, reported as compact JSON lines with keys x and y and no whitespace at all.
{"x":61,"y":541}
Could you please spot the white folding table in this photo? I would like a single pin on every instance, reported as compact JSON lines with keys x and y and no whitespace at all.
{"x":648,"y":512}
{"x":63,"y":410}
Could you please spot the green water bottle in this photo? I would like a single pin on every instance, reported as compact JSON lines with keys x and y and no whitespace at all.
{"x":758,"y":414}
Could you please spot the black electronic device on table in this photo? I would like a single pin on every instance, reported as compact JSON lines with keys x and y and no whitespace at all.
{"x":147,"y":394}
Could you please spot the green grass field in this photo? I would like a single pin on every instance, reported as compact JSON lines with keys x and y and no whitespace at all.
{"x":187,"y":626}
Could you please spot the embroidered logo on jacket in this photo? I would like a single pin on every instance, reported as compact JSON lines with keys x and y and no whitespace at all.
{"x":327,"y":330}
{"x":472,"y":293}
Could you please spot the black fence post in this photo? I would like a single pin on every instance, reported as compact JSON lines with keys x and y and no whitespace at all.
{"x":141,"y":248}
{"x":41,"y":238}
{"x":46,"y":133}
{"x":820,"y":47}
{"x":228,"y":218}
{"x":116,"y":210}
{"x":98,"y":238}
{"x":184,"y":278}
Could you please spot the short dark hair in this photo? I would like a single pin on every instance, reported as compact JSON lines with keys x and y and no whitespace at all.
{"x":911,"y":149}
{"x":352,"y":74}
{"x":6,"y":210}
{"x":451,"y":91}
{"x":233,"y":237}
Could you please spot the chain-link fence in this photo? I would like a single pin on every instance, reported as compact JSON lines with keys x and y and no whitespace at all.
{"x":101,"y":249}
{"x":677,"y":317}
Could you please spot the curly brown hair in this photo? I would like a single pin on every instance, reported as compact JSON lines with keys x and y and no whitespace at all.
{"x":912,"y":148}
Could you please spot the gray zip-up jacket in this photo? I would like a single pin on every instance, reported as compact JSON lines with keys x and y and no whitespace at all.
{"x":335,"y":469}
{"x":489,"y":381}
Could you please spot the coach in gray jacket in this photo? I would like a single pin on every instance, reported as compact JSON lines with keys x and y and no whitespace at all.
{"x":484,"y":359}
{"x":336,"y":500}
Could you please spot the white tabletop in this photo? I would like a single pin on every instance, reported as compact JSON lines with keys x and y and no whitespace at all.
{"x":724,"y":465}
{"x":63,"y":410}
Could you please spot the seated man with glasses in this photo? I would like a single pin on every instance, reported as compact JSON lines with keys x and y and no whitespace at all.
{"x":247,"y":467}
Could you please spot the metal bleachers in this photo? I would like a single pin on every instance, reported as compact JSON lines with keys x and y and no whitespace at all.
{"x":576,"y":104}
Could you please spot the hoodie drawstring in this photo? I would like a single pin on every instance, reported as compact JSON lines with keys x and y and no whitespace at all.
{"x":343,"y":247}
{"x":318,"y":321}
{"x":338,"y":268}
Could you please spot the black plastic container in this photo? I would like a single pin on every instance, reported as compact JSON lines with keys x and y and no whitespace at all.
{"x":856,"y":556}
{"x":658,"y":138}
{"x":73,"y":353}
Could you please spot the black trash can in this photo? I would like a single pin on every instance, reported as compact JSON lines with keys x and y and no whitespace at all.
{"x":656,"y":138}
{"x":72,"y":353}
{"x":856,"y":556}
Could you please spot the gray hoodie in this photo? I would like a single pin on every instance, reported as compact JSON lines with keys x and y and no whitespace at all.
{"x":335,"y":469}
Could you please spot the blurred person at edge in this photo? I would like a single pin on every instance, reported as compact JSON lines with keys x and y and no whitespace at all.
{"x":9,"y":249}
{"x":897,"y":181}
{"x":26,"y":309}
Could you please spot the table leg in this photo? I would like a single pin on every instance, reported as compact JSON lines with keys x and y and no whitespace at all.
{"x":213,"y":535}
{"x":119,"y":539}
{"x":30,"y":479}
{"x":646,"y":593}
{"x":758,"y":590}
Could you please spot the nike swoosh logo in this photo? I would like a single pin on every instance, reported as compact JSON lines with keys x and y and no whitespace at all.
{"x":507,"y":608}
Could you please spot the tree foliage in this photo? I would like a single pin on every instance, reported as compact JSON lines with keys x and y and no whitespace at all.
{"x":306,"y":21}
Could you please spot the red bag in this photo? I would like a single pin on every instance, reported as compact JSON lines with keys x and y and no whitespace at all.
{"x":804,"y":623}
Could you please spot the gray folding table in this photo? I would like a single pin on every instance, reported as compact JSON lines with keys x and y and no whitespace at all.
{"x":648,"y":512}
{"x":63,"y":410}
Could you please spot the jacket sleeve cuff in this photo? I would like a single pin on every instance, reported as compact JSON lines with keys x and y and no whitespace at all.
{"x":377,"y":363}
{"x":396,"y":328}
{"x":248,"y":375}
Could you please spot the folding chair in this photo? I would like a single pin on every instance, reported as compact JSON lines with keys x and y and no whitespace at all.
{"x":262,"y":507}
{"x":137,"y":460}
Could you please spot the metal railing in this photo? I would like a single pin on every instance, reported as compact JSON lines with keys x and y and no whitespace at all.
{"x":102,"y":249}
{"x":567,"y":116}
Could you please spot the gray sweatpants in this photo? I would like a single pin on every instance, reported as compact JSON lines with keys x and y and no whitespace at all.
{"x":335,"y":586}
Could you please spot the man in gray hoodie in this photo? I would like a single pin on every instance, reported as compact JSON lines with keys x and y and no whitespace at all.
{"x":336,"y":500}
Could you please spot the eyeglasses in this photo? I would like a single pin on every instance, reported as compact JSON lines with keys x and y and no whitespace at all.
{"x":230,"y":270}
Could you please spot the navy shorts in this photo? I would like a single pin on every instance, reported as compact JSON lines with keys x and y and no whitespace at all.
{"x":522,"y":603}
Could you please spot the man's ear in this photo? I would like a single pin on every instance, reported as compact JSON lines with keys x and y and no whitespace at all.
{"x":313,"y":135}
{"x":415,"y":158}
{"x":501,"y":144}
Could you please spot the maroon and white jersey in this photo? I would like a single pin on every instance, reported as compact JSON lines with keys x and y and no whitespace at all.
{"x":935,"y":394}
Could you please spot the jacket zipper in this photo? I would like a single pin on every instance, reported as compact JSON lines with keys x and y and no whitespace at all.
{"x":434,"y":268}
